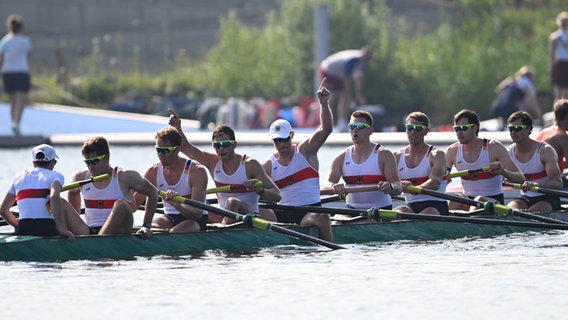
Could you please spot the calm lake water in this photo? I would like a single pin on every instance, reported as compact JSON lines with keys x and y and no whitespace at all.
{"x":519,"y":276}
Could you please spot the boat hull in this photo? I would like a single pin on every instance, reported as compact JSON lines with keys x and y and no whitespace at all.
{"x":32,"y":248}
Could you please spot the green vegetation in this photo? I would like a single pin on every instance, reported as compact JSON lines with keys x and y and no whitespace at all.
{"x":439,"y":69}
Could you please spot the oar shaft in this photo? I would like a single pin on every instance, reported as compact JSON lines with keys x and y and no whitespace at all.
{"x":80,"y":183}
{"x":256,"y":222}
{"x":555,"y":192}
{"x":491,"y":206}
{"x":393,"y":215}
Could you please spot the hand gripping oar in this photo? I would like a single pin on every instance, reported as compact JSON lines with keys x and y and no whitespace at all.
{"x":489,"y":206}
{"x":80,"y":183}
{"x":381,"y":214}
{"x":229,"y":188}
{"x":555,"y":192}
{"x":255,"y":222}
{"x":465,"y":173}
{"x":350,"y":190}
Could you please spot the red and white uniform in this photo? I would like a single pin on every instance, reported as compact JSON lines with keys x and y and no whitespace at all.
{"x":482,"y":183}
{"x":418,"y":175}
{"x":299,"y":182}
{"x":222,"y":179}
{"x":182,"y":186}
{"x":32,"y":189}
{"x":533,"y":170}
{"x":99,"y":202}
{"x":366,"y":173}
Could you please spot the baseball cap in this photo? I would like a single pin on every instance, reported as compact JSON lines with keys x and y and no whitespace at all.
{"x":280,"y":129}
{"x":44,"y":152}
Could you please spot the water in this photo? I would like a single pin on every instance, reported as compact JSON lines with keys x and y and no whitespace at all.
{"x":518,"y":276}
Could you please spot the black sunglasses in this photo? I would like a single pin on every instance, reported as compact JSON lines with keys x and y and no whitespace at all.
{"x":224,"y":144}
{"x":517,"y":128}
{"x":281,"y":140}
{"x":415,"y":127}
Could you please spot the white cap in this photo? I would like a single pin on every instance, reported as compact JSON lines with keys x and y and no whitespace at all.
{"x":44,"y":152}
{"x":280,"y":129}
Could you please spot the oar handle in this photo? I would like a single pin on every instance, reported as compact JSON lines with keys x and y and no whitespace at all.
{"x":229,"y":188}
{"x":465,"y":173}
{"x":256,"y":222}
{"x":77,"y":184}
{"x":555,"y":192}
{"x":518,"y":186}
{"x":350,"y":190}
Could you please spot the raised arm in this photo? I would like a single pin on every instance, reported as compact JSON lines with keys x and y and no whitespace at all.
{"x":314,"y":143}
{"x":205,"y":158}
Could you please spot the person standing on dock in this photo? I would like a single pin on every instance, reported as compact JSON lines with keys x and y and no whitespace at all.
{"x":38,"y":192}
{"x":538,"y":162}
{"x":555,"y":135}
{"x":229,"y":168}
{"x":471,"y":153}
{"x":365,"y":164}
{"x":177,"y":176}
{"x":109,"y":204}
{"x":422,"y":165}
{"x":294,"y":168}
{"x":15,"y":55}
{"x":344,"y":70}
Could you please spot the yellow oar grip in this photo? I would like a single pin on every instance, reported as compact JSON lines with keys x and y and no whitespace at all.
{"x":228,"y":188}
{"x":77,"y":184}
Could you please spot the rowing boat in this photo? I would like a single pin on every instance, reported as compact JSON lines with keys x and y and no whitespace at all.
{"x":33,"y":248}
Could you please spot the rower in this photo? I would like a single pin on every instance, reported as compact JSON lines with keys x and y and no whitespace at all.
{"x":423,"y":165}
{"x":294,"y":168}
{"x":538,"y":161}
{"x":556,"y":135}
{"x":177,"y":176}
{"x":472,"y":152}
{"x":365,"y":163}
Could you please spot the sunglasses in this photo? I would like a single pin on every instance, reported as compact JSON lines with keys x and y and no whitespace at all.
{"x":415,"y":127}
{"x":281,"y":140}
{"x":224,"y":144}
{"x":358,"y":125}
{"x":463,"y":127}
{"x":93,"y":161}
{"x":517,"y":128}
{"x":165,"y":150}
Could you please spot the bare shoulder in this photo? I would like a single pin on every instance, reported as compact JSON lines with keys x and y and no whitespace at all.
{"x":80,"y":175}
{"x":437,"y":153}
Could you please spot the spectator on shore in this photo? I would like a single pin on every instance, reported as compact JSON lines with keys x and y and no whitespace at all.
{"x":15,"y":54}
{"x":343,"y":70}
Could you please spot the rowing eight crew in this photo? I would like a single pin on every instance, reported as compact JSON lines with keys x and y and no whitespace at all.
{"x":111,"y":203}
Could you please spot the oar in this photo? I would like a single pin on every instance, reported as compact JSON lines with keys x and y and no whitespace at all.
{"x":350,"y":190}
{"x":255,"y":222}
{"x":378,"y":214}
{"x":465,"y":173}
{"x":555,"y":192}
{"x":229,"y":188}
{"x":80,"y":183}
{"x":489,"y":206}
